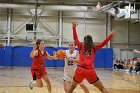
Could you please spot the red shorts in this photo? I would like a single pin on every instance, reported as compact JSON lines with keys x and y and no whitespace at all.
{"x":83,"y":73}
{"x":38,"y":73}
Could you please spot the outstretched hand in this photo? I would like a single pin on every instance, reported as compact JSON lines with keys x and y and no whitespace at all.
{"x":113,"y":31}
{"x":55,"y":56}
{"x":35,"y":46}
{"x":74,"y":24}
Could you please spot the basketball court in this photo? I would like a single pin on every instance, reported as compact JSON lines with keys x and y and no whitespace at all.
{"x":16,"y":80}
{"x":23,"y":22}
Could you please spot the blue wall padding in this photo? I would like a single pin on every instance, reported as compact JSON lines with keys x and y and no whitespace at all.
{"x":104,"y":58}
{"x":20,"y":56}
{"x":2,"y":56}
{"x":99,"y":61}
{"x":8,"y":55}
{"x":50,"y":63}
{"x":109,"y":58}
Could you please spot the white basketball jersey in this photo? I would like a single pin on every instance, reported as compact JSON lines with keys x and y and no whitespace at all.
{"x":70,"y":66}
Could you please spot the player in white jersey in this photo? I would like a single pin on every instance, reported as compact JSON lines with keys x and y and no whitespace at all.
{"x":71,"y":61}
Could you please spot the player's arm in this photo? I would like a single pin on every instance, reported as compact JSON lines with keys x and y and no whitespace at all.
{"x":50,"y":57}
{"x":98,"y":46}
{"x":136,"y":51}
{"x":75,"y":37}
{"x":33,"y":53}
{"x":74,"y":60}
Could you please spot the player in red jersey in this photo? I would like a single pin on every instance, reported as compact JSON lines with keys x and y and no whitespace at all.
{"x":38,"y":70}
{"x":85,"y":69}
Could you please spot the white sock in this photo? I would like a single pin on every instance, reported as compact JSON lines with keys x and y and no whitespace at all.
{"x":34,"y":82}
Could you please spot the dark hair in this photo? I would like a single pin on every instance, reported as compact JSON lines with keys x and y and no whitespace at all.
{"x":38,"y":41}
{"x":88,"y":42}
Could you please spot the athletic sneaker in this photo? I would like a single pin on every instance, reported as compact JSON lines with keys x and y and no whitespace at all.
{"x":31,"y":84}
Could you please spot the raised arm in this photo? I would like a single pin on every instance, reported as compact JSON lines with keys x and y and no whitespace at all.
{"x":34,"y":52}
{"x":75,"y":37}
{"x":136,"y":51}
{"x":98,"y":46}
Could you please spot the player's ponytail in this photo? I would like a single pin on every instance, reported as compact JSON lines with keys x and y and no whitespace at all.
{"x":88,"y":42}
{"x":38,"y":41}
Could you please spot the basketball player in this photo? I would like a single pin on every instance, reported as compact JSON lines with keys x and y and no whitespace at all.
{"x":38,"y":70}
{"x":85,"y":69}
{"x":70,"y":66}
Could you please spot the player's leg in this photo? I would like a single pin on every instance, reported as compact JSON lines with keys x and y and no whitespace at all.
{"x":78,"y":78}
{"x":46,"y":79}
{"x":67,"y":85}
{"x":84,"y":87}
{"x":67,"y":82}
{"x":100,"y":86}
{"x":72,"y":87}
{"x":93,"y":79}
{"x":36,"y":81}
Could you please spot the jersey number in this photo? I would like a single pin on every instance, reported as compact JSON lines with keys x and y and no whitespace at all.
{"x":88,"y":52}
{"x":70,"y":63}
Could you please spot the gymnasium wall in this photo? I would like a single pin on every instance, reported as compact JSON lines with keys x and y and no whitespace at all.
{"x":20,"y":56}
{"x":94,"y":28}
{"x":92,"y":24}
{"x":127,"y":34}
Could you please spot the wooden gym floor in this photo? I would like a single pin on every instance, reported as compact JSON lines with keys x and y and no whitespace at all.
{"x":16,"y":80}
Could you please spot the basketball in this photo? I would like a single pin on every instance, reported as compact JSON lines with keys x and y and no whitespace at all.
{"x":61,"y":54}
{"x":1,"y":45}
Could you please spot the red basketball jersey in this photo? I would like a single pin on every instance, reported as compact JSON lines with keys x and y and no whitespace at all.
{"x":86,"y":57}
{"x":38,"y":61}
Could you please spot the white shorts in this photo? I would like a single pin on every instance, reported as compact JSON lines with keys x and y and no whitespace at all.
{"x":66,"y":77}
